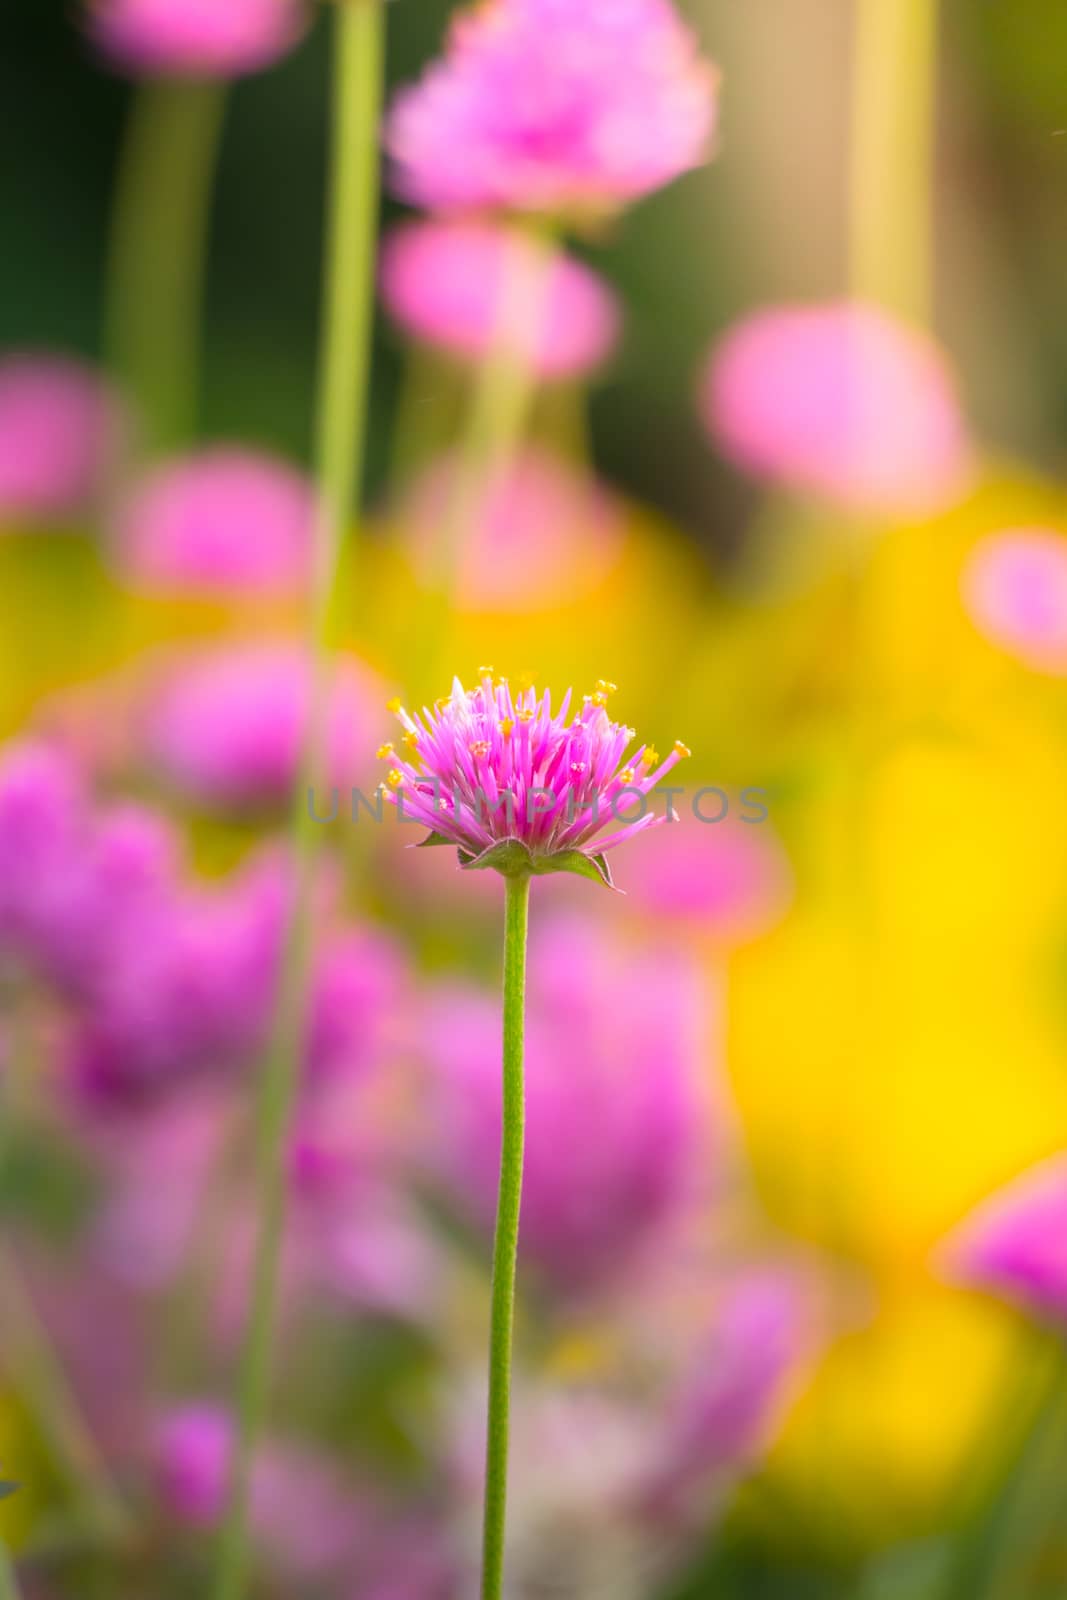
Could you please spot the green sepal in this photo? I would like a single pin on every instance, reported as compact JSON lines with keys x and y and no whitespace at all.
{"x":515,"y":860}
{"x":433,"y":839}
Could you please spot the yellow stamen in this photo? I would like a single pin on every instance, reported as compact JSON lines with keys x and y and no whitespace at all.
{"x":506,"y":726}
{"x":525,"y":715}
{"x":604,"y":687}
{"x":440,"y":703}
{"x":485,"y":672}
{"x":395,"y":705}
{"x":598,"y":699}
{"x":384,"y":751}
{"x":627,"y":776}
{"x":681,"y":749}
{"x":480,"y":747}
{"x":411,"y":737}
{"x":651,"y":757}
{"x":394,"y":777}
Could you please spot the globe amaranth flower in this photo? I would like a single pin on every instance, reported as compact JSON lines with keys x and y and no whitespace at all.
{"x":221,"y":521}
{"x":539,"y":519}
{"x":543,"y":106}
{"x":60,"y":434}
{"x":446,"y":283}
{"x":194,"y":38}
{"x":1013,"y":1243}
{"x":839,"y":401}
{"x":519,"y":787}
{"x":1015,"y":591}
{"x":617,"y":1040}
{"x":226,"y":727}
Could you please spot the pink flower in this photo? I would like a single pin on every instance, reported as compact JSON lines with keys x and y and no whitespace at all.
{"x":226,"y":728}
{"x":59,"y":435}
{"x":304,"y":1515}
{"x":1015,"y":589}
{"x":729,"y":880}
{"x":545,"y":532}
{"x":447,"y":282}
{"x":839,"y":401}
{"x":1013,"y":1244}
{"x":616,"y":1043}
{"x":520,"y":788}
{"x":194,"y":38}
{"x":221,"y":521}
{"x":543,"y":106}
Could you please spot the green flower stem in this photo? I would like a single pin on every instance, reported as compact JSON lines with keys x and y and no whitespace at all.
{"x":494,"y":425}
{"x":340,"y":432}
{"x":893,"y":122}
{"x":506,"y":1237}
{"x":158,"y":248}
{"x":9,"y":1584}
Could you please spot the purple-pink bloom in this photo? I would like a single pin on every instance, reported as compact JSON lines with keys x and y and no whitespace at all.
{"x":543,"y":106}
{"x":729,"y":880}
{"x":60,"y":435}
{"x":543,"y":530}
{"x":186,"y":989}
{"x":1015,"y":591}
{"x":226,"y":727}
{"x":840,"y":401}
{"x":194,"y":38}
{"x":520,"y":787}
{"x":1013,"y":1243}
{"x":617,"y":1120}
{"x":447,"y":283}
{"x":304,"y":1515}
{"x":222,"y":521}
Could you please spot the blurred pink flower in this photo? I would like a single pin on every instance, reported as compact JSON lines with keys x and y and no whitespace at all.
{"x":841,"y":401}
{"x":729,"y":880}
{"x":304,"y":1515}
{"x":445,"y":282}
{"x":72,"y":878}
{"x":546,"y":533}
{"x":518,"y":787}
{"x":1015,"y":590}
{"x":221,"y":521}
{"x":194,"y":38}
{"x":542,"y":106}
{"x":184,"y":990}
{"x":729,"y":1399}
{"x":1013,"y":1243}
{"x":617,"y":1124}
{"x":60,"y":435}
{"x":226,"y":726}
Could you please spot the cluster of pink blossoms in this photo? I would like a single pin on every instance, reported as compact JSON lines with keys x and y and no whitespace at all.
{"x":194,"y":38}
{"x":541,"y":106}
{"x":520,"y":787}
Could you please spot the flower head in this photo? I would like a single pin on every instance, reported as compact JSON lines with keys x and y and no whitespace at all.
{"x":220,"y":521}
{"x":543,"y":106}
{"x":520,"y":787}
{"x":226,"y":727}
{"x":194,"y":38}
{"x":616,"y":1041}
{"x":540,"y":517}
{"x":59,"y":434}
{"x":839,"y":401}
{"x":1015,"y":590}
{"x":443,"y":282}
{"x":1013,"y":1244}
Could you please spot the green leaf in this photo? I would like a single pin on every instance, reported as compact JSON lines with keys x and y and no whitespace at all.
{"x":432,"y":839}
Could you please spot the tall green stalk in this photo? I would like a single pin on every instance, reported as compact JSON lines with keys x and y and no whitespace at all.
{"x":892,"y":154}
{"x":506,"y":1237}
{"x":344,"y":365}
{"x":158,"y":248}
